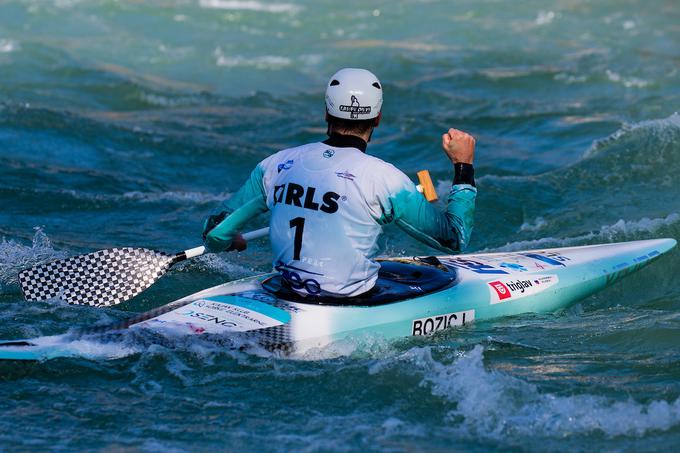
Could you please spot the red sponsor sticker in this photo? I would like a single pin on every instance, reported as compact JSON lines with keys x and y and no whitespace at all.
{"x":502,"y":290}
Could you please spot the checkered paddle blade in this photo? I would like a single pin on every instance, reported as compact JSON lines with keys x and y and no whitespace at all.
{"x":103,"y":278}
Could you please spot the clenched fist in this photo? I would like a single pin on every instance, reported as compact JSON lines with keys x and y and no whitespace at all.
{"x":459,"y":146}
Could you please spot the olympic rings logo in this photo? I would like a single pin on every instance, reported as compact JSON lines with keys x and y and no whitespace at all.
{"x":296,"y":281}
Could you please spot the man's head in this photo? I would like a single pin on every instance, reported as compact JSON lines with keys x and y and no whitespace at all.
{"x":353,"y":102}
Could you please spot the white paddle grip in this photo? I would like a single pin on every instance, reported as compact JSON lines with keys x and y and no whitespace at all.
{"x":249,"y":236}
{"x":194,"y":252}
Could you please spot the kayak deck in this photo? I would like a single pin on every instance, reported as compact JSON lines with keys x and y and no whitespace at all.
{"x":397,"y":280}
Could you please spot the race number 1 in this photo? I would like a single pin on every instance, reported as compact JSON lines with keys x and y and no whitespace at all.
{"x":299,"y":224}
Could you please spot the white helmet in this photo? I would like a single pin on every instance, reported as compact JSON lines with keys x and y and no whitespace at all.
{"x":354,"y":94}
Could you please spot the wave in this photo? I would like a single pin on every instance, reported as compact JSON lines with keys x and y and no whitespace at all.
{"x":625,"y":187}
{"x":494,"y":405}
{"x":262,"y":62}
{"x":622,"y":230}
{"x":665,"y":130}
{"x":628,"y":82}
{"x":250,"y":5}
{"x":8,"y":46}
{"x":172,"y":196}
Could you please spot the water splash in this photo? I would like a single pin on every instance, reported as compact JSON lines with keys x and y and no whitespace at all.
{"x":494,"y":405}
{"x":212,"y":262}
{"x":15,"y":257}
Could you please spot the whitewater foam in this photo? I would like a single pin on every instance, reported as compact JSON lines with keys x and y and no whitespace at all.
{"x":261,"y":62}
{"x":8,"y":46}
{"x":176,"y":197}
{"x":538,"y":224}
{"x":493,"y":404}
{"x":215,"y":263}
{"x":622,"y":230}
{"x":170,"y":196}
{"x":545,"y":17}
{"x":250,"y":5}
{"x":628,"y":82}
{"x":658,"y":127}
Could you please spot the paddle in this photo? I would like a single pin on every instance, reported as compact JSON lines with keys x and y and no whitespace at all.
{"x":112,"y":276}
{"x":106,"y":277}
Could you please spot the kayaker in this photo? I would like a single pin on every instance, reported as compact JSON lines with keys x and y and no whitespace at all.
{"x":329,"y":199}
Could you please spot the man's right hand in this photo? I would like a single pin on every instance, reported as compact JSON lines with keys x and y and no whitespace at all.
{"x":238,"y":243}
{"x":459,"y":146}
{"x":211,"y":222}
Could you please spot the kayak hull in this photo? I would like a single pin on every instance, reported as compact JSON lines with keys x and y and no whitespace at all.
{"x":488,"y":286}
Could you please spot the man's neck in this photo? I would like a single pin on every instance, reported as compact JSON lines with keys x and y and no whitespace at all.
{"x":339,"y":140}
{"x":366,"y":136}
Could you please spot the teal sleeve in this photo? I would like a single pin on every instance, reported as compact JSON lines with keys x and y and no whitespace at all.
{"x":249,"y":201}
{"x":448,"y":231}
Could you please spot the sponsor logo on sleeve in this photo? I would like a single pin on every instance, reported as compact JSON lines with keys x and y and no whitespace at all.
{"x":432,"y":324}
{"x":515,"y":288}
{"x":285,"y":165}
{"x":345,"y":175}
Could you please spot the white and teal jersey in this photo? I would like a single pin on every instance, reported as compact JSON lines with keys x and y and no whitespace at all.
{"x":328,"y":205}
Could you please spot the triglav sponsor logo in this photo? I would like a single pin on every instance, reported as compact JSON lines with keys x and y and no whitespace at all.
{"x":502,"y":290}
{"x":519,"y":285}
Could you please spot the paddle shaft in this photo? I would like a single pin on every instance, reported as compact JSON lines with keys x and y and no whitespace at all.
{"x":198,"y":251}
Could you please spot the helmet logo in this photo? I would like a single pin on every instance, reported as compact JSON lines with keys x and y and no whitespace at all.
{"x":355,"y":109}
{"x":328,"y":153}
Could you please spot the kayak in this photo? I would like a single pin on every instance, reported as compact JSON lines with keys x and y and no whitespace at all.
{"x":413,"y":297}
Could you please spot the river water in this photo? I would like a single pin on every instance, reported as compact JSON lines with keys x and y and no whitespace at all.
{"x":126,"y":122}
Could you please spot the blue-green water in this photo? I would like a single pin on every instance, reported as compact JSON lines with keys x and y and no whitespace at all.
{"x":124,"y":123}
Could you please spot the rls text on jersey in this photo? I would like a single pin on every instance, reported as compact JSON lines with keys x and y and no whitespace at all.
{"x":296,"y":195}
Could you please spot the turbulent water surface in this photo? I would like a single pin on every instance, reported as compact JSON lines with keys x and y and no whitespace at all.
{"x":125,"y":122}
